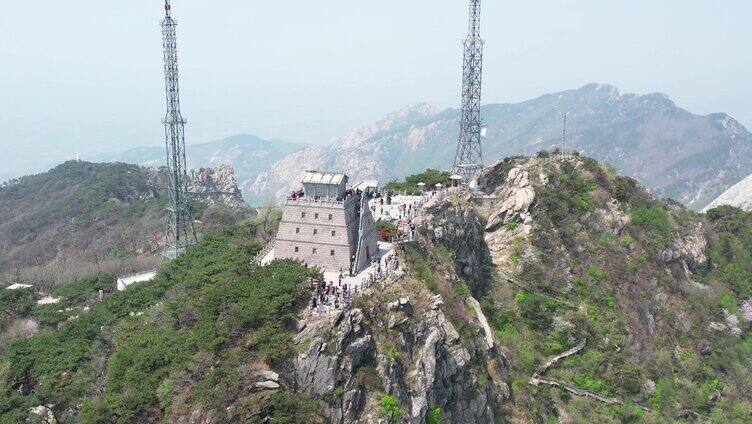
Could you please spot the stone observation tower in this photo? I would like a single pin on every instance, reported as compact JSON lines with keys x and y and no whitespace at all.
{"x":327,"y":225}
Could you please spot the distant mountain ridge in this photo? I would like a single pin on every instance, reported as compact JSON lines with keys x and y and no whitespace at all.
{"x":247,"y":154}
{"x":82,"y":218}
{"x":673,"y":152}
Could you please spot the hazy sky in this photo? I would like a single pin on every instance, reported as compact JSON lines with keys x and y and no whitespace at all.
{"x":86,"y":75}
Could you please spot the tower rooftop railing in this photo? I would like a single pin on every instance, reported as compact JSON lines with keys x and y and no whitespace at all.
{"x":324,"y":202}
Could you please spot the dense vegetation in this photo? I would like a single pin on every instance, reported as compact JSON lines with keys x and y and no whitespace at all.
{"x":645,"y":320}
{"x":430,"y":178}
{"x":186,"y":339}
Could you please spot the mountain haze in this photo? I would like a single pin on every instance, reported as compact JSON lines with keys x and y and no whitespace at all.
{"x":248,"y":154}
{"x":675,"y":153}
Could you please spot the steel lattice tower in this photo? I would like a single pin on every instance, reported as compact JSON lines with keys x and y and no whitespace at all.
{"x":179,"y":232}
{"x":468,"y":161}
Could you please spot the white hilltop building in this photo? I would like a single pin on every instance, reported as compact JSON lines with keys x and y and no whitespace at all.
{"x":327,"y":225}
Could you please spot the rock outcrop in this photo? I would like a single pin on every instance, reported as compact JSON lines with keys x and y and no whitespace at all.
{"x":428,"y":364}
{"x":451,"y":219}
{"x":690,"y":248}
{"x":216,"y":186}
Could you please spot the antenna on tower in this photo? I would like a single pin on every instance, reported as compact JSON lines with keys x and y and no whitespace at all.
{"x":179,"y":230}
{"x":564,"y":135}
{"x":468,"y":162}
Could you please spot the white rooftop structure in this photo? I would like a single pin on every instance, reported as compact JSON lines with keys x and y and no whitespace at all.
{"x":18,"y":286}
{"x":324,"y":184}
{"x":315,"y":177}
{"x":124,"y":282}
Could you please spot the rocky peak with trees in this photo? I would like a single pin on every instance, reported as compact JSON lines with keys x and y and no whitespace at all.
{"x":562,"y":293}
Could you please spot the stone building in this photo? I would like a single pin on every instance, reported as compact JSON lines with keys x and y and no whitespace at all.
{"x":326,"y":225}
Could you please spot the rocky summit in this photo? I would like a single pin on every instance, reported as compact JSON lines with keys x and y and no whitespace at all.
{"x":561,"y":292}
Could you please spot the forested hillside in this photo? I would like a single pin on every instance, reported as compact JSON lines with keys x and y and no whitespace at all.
{"x":81,"y":218}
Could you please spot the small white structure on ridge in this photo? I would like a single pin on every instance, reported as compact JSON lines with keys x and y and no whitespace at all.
{"x":124,"y":282}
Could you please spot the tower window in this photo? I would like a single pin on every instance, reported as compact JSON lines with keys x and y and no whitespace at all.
{"x":315,"y":231}
{"x":330,"y":217}
{"x":316,"y":215}
{"x":297,"y":249}
{"x":313,"y":250}
{"x":334,"y":233}
{"x":297,"y":230}
{"x":331,"y":253}
{"x":302,"y":214}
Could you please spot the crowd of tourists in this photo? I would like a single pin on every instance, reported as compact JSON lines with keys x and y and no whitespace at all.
{"x":300,"y":194}
{"x":327,"y":296}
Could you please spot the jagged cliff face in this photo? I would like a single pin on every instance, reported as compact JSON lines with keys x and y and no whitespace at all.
{"x":674,"y":153}
{"x":585,"y":284}
{"x":408,"y":348}
{"x":563,"y":251}
{"x":216,"y":186}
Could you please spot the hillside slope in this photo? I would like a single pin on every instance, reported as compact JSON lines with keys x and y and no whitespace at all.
{"x":648,"y":303}
{"x":83,"y":217}
{"x":654,"y":300}
{"x":673,"y":152}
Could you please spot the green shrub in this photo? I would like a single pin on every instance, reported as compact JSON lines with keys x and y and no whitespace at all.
{"x":386,"y":226}
{"x":728,"y":301}
{"x":538,"y":313}
{"x":433,"y":416}
{"x":461,"y":290}
{"x":597,"y":274}
{"x":591,"y":383}
{"x":287,"y":408}
{"x":663,"y":396}
{"x":368,"y":377}
{"x":216,"y":297}
{"x":430,"y":177}
{"x":390,"y":407}
{"x":655,"y":218}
